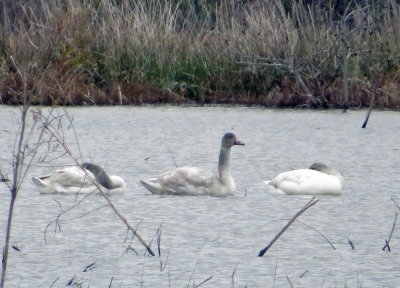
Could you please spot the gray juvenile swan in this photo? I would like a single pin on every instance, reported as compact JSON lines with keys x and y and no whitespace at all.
{"x":73,"y":179}
{"x":319,"y":179}
{"x":195,"y":181}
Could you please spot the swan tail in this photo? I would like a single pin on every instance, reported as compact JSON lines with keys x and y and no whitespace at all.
{"x":273,"y":188}
{"x":41,"y":185}
{"x":153,"y":187}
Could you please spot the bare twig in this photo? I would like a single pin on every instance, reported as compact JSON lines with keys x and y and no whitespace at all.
{"x":395,"y":203}
{"x":276,"y":267}
{"x":290,"y":283}
{"x":201,"y":283}
{"x":162,"y":267}
{"x":25,"y":151}
{"x":63,"y":212}
{"x":302,"y":210}
{"x":89,"y":267}
{"x":233,"y":274}
{"x":346,"y":80}
{"x":351,"y":244}
{"x":191,"y":275}
{"x":157,"y":235}
{"x":387,"y":241}
{"x":172,"y":156}
{"x":159,"y":240}
{"x":323,"y":236}
{"x":364,"y":125}
{"x":303,"y":274}
{"x":54,"y":282}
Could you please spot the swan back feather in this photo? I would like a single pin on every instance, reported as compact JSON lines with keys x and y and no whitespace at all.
{"x":319,"y":179}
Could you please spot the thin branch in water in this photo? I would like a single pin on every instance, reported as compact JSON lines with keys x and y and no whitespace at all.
{"x":233,"y":274}
{"x":276,"y":267}
{"x":393,"y":227}
{"x":303,"y":274}
{"x":159,"y":240}
{"x":351,"y":244}
{"x":89,"y":267}
{"x":364,"y":125}
{"x":387,"y":246}
{"x":63,"y":212}
{"x":191,"y":275}
{"x":172,"y":156}
{"x":2,"y":177}
{"x":130,"y":248}
{"x":162,"y":267}
{"x":302,"y":210}
{"x":133,"y":235}
{"x":290,"y":283}
{"x":54,"y":282}
{"x":395,"y":203}
{"x":316,"y":230}
{"x":158,"y":234}
{"x":201,"y":283}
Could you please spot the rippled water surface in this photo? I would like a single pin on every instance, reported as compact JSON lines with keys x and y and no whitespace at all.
{"x":203,"y":237}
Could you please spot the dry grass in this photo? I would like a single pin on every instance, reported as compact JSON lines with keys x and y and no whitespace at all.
{"x":256,"y":52}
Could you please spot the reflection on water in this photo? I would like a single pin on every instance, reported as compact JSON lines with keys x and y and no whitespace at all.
{"x":204,"y":237}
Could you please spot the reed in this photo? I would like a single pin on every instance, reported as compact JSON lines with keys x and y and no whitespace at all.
{"x":272,"y":53}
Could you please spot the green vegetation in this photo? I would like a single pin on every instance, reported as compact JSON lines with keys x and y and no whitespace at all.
{"x":279,"y":53}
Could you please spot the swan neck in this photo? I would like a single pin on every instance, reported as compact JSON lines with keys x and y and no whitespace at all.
{"x":104,"y":179}
{"x":224,"y":167}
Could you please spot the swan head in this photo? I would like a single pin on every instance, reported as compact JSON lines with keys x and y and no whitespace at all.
{"x":95,"y":169}
{"x":230,"y":140}
{"x":324,"y":169}
{"x":327,"y":170}
{"x":110,"y":182}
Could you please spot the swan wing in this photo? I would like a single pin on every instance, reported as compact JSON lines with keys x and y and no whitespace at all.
{"x":66,"y":180}
{"x":183,"y":181}
{"x":306,"y":182}
{"x":71,"y":177}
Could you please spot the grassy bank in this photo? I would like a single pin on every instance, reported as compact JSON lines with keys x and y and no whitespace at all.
{"x":273,"y":53}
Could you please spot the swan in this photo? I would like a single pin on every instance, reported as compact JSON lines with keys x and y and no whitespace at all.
{"x":194,"y":181}
{"x":319,"y":179}
{"x":73,"y":179}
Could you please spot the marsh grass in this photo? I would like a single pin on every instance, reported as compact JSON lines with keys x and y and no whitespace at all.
{"x":272,"y":53}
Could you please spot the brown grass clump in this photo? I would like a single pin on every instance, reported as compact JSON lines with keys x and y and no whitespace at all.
{"x":271,"y":53}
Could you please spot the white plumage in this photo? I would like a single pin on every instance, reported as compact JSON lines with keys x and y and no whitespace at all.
{"x":319,"y":179}
{"x":73,"y":179}
{"x":194,"y":181}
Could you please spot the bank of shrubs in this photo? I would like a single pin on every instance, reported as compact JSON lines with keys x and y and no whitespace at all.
{"x":276,"y":53}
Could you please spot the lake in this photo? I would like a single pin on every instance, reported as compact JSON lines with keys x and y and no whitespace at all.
{"x":203,"y":237}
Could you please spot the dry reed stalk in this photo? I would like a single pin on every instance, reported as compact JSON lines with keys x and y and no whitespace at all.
{"x":29,"y":138}
{"x":319,"y":232}
{"x":301,"y":211}
{"x":147,"y":41}
{"x":387,"y":241}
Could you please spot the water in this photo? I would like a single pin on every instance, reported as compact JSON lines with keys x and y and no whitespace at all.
{"x":204,"y":237}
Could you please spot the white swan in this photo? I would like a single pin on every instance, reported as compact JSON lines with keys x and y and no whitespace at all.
{"x":73,"y":179}
{"x":195,"y":181}
{"x":319,"y":179}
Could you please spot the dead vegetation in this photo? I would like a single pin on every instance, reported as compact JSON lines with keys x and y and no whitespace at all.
{"x":270,"y":53}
